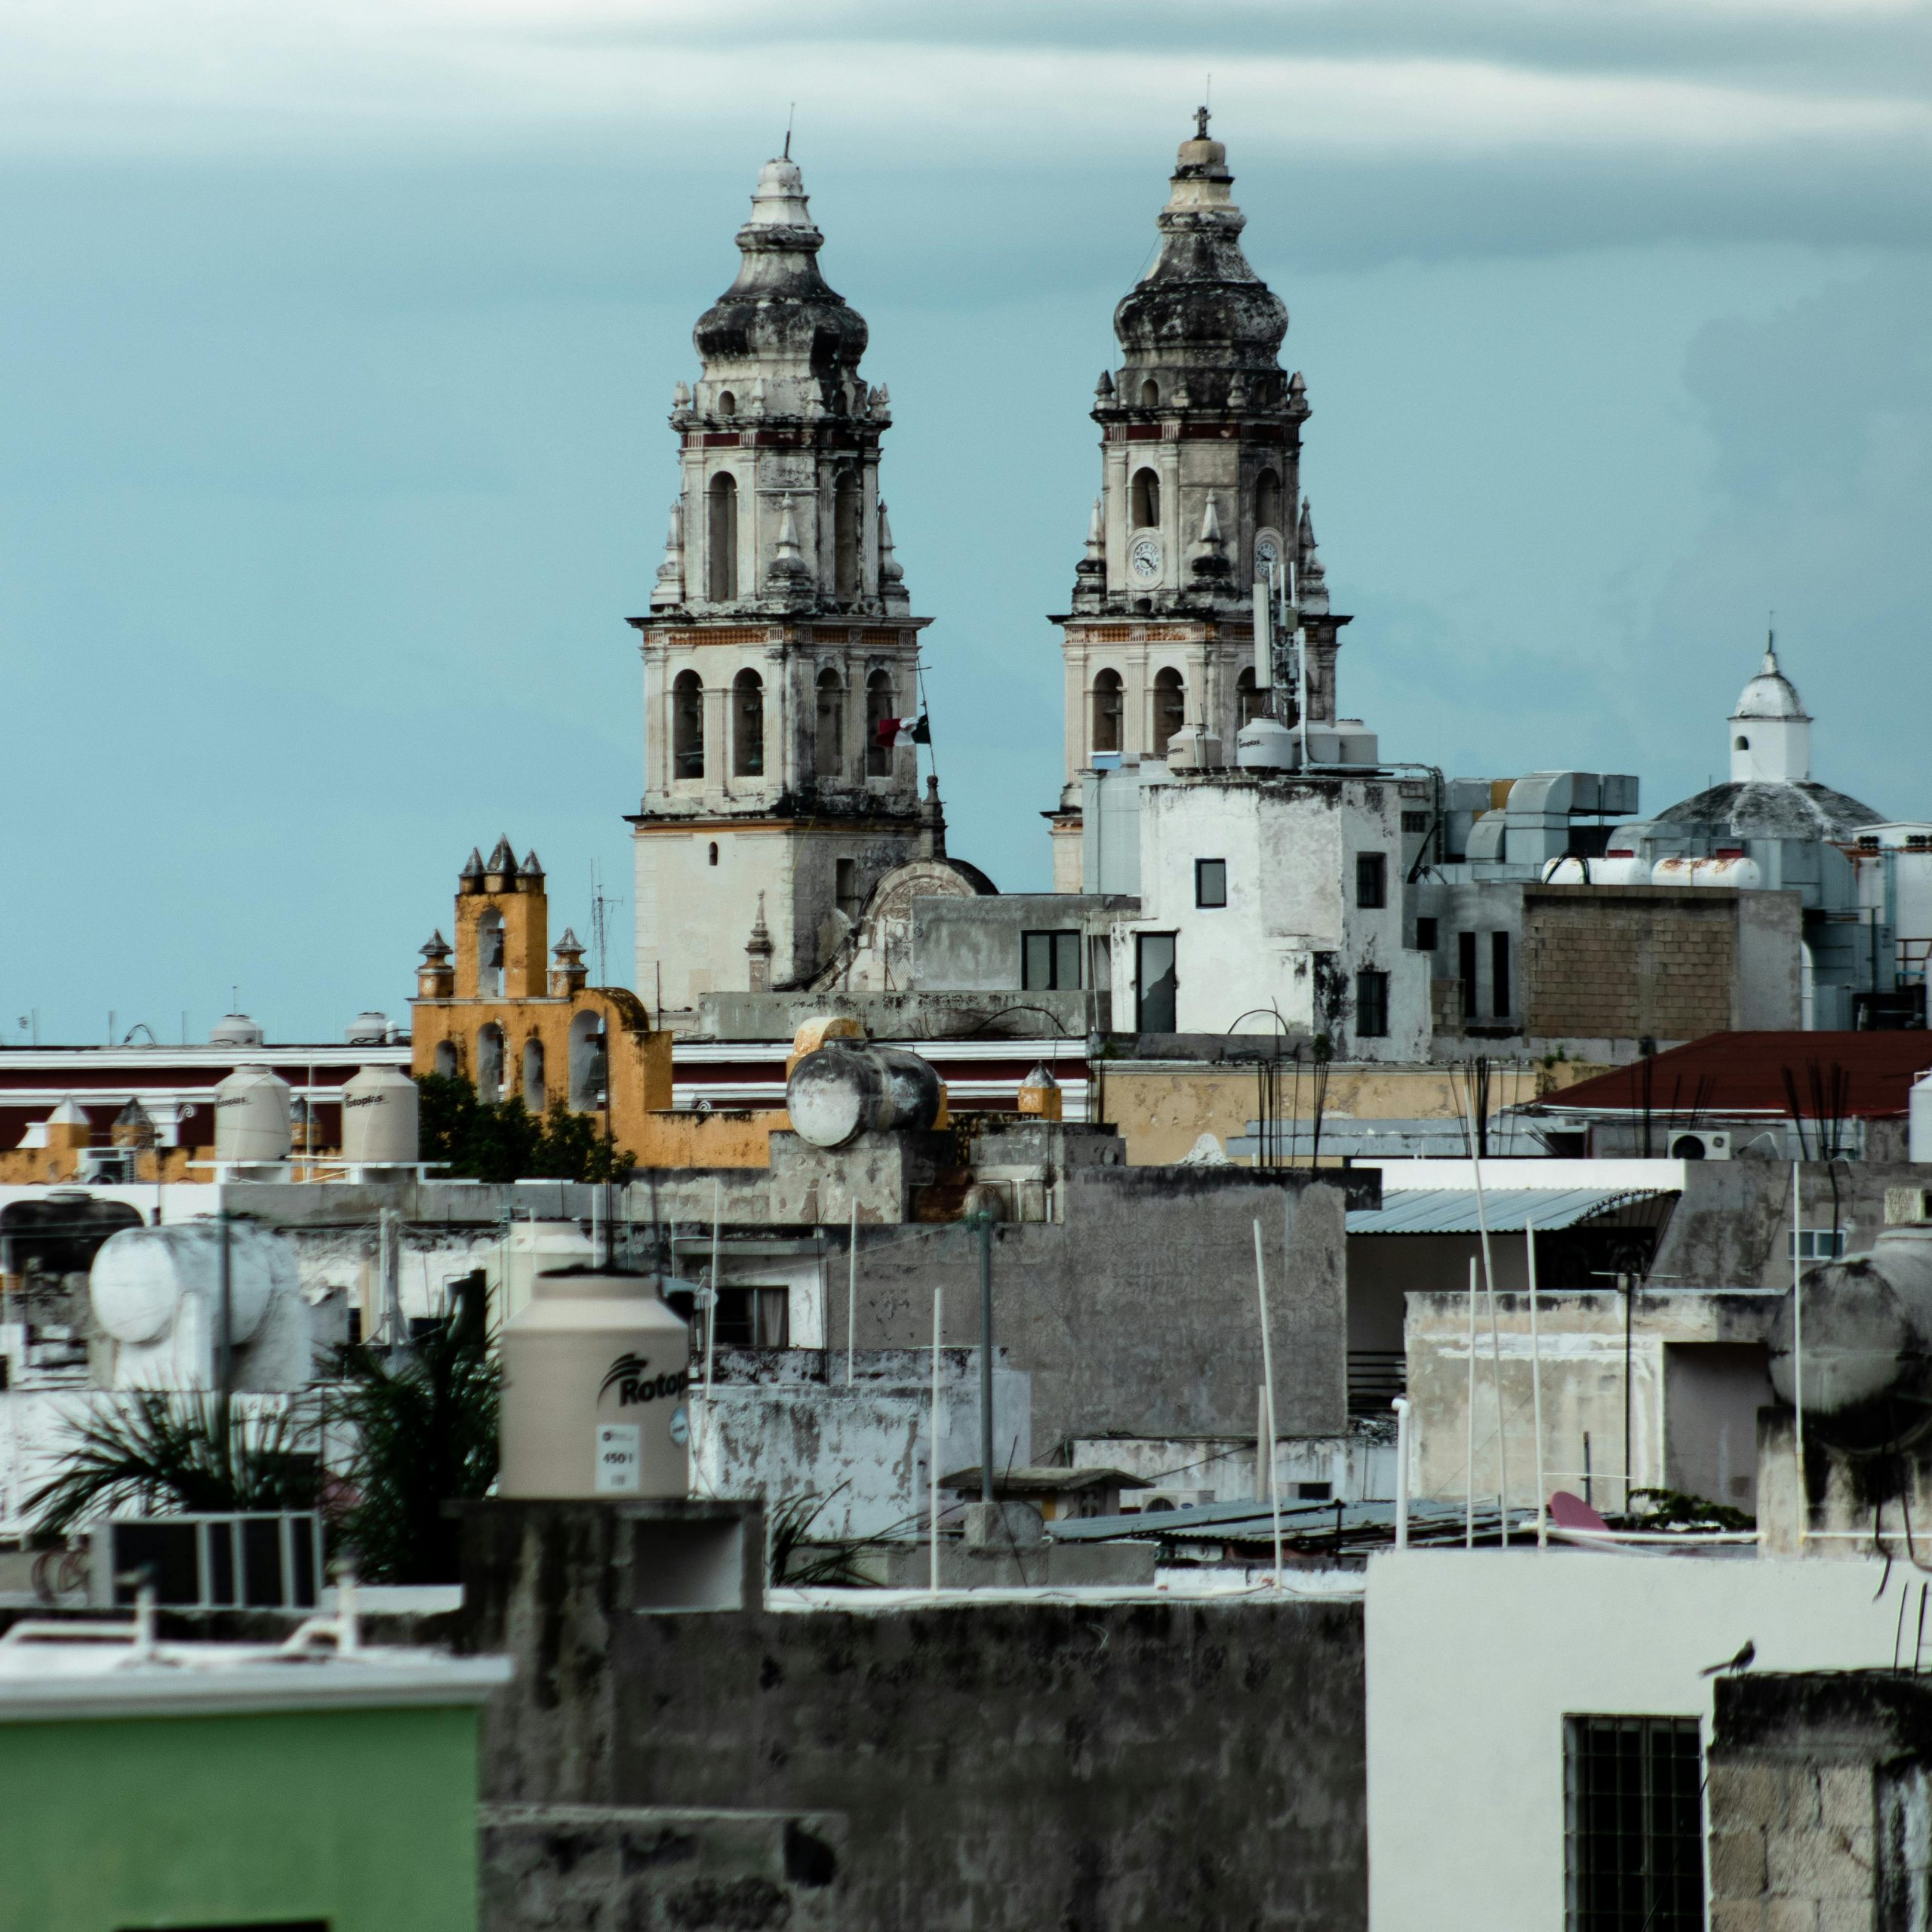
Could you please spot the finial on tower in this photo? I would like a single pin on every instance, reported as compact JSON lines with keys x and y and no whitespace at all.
{"x":1200,"y":124}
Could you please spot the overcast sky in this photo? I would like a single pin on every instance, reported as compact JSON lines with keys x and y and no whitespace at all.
{"x":337,"y":339}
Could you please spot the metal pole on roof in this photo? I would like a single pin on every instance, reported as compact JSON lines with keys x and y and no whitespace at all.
{"x":1268,"y":1383}
{"x":932,"y":1472}
{"x":1495,"y":1341}
{"x":852,"y":1294}
{"x":986,"y":1221}
{"x":1469,"y":1405}
{"x":1536,"y":1389}
{"x":711,"y":1308}
{"x":1798,"y":1344}
{"x":1401,"y":1406}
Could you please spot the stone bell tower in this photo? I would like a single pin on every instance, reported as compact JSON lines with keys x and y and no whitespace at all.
{"x":1200,"y":495}
{"x":780,"y":638}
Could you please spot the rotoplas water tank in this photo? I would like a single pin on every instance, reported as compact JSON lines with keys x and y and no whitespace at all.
{"x":595,"y":1375}
{"x":379,"y":1117}
{"x":252,"y":1116}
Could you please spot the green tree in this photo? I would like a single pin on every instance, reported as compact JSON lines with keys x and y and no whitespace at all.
{"x":503,"y":1141}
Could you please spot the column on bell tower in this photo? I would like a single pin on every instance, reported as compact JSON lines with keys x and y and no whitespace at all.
{"x":1200,"y":492}
{"x":780,"y":632}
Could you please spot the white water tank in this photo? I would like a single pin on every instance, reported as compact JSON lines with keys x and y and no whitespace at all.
{"x":379,"y":1117}
{"x":156,"y":1293}
{"x":235,"y":1030}
{"x":1621,"y":865}
{"x":1918,"y":1120}
{"x":1732,"y":869}
{"x":368,"y":1030}
{"x":1266,"y":744}
{"x":252,"y":1116}
{"x":512,"y":1263}
{"x":1567,"y":869}
{"x":596,"y":1369}
{"x":844,"y":1091}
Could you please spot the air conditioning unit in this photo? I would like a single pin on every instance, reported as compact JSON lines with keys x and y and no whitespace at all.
{"x":1146,"y":1502}
{"x":1701,"y":1145}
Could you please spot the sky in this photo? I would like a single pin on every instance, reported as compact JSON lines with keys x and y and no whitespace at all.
{"x":337,"y":339}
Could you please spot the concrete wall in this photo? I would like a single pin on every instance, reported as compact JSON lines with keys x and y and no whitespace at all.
{"x":1474,"y":1659}
{"x":973,"y":945}
{"x":1106,"y":1766}
{"x":1137,"y":1312}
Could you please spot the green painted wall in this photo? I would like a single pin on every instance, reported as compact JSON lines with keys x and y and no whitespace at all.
{"x":366,"y":1820}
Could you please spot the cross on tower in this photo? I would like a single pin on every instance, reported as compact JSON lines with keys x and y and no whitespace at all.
{"x":1200,"y":124}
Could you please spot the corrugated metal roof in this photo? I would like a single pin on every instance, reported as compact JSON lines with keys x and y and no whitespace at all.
{"x":1452,"y":1211}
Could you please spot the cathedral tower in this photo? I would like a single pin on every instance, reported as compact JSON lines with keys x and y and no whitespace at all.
{"x":779,"y":639}
{"x":1200,"y":494}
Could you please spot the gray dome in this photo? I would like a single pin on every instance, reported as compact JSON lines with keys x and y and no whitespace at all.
{"x":1801,"y":809}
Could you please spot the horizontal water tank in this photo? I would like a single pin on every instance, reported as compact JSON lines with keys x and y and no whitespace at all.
{"x":841,"y":1092}
{"x":1621,"y":865}
{"x":1732,"y":868}
{"x":379,"y":1117}
{"x":142,"y":1277}
{"x":252,"y":1116}
{"x":1867,"y":1327}
{"x":596,"y":1372}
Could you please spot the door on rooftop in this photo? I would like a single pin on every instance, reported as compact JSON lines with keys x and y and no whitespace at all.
{"x":1155,"y":982}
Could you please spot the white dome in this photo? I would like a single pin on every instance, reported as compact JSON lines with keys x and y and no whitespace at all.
{"x":1770,"y":694}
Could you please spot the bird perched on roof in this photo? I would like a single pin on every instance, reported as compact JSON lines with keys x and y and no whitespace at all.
{"x":1742,"y":1661}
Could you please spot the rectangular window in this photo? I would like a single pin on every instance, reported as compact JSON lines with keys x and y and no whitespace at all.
{"x":1371,"y":880}
{"x":847,"y":886}
{"x":1425,"y":935}
{"x":1465,"y":970}
{"x":1050,"y":962}
{"x":1415,"y":821}
{"x":1155,"y":982}
{"x":1817,"y":1243}
{"x":1211,"y":882}
{"x":1371,"y":1006}
{"x":1499,"y":974}
{"x":1634,"y":1824}
{"x":753,"y":1317}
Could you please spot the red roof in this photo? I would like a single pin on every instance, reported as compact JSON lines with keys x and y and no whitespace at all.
{"x":1842,"y":1074}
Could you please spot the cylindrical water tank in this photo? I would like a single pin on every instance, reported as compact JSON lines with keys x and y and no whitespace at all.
{"x":841,"y":1092}
{"x":252,"y":1116}
{"x":142,"y":1276}
{"x":1918,"y":1120}
{"x":1621,"y":865}
{"x":596,"y":1372}
{"x":234,"y":1029}
{"x":512,"y":1263}
{"x":1266,"y":744}
{"x":1866,"y":1322}
{"x":379,"y":1117}
{"x":368,"y":1030}
{"x":1568,"y":869}
{"x":1732,"y":868}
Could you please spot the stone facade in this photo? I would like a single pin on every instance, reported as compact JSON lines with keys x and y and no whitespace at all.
{"x":779,"y":636}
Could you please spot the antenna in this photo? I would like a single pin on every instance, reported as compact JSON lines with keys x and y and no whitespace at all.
{"x":598,"y":927}
{"x":791,"y":115}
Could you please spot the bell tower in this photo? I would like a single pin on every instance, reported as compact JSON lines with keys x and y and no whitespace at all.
{"x":780,"y":646}
{"x":1200,"y":496}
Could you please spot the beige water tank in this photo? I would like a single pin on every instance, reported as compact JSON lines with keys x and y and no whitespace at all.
{"x":527,"y":1249}
{"x":596,"y":1372}
{"x":252,"y":1116}
{"x":379,"y":1117}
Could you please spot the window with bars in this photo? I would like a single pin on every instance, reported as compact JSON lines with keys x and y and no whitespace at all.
{"x":1634,"y":1824}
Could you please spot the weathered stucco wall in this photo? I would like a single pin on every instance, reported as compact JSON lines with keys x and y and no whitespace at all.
{"x":1137,"y":1312}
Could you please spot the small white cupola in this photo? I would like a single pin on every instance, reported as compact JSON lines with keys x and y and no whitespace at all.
{"x":1771,"y":730}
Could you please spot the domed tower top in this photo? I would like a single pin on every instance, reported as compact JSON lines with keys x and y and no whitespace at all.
{"x":1770,"y":731}
{"x":779,"y":322}
{"x":1201,"y":322}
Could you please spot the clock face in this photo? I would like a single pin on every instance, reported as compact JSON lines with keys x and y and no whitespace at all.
{"x":1146,"y":558}
{"x":1267,"y":552}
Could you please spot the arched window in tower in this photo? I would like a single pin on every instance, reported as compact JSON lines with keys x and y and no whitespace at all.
{"x":1268,"y":500}
{"x":727,"y":404}
{"x":589,"y":1063}
{"x":445,"y":1060}
{"x":721,"y":523}
{"x":1150,"y":394}
{"x":534,"y":1095}
{"x":748,"y":725}
{"x":489,"y":955}
{"x":1109,"y":708}
{"x":688,"y":725}
{"x":1740,"y":744}
{"x":828,"y":740}
{"x":845,"y":546}
{"x":1249,"y":703}
{"x":1170,"y":709}
{"x":490,"y":1064}
{"x":881,"y":705}
{"x":1144,"y":498}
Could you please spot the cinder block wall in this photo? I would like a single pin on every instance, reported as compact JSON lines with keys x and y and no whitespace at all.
{"x":1622,"y":962}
